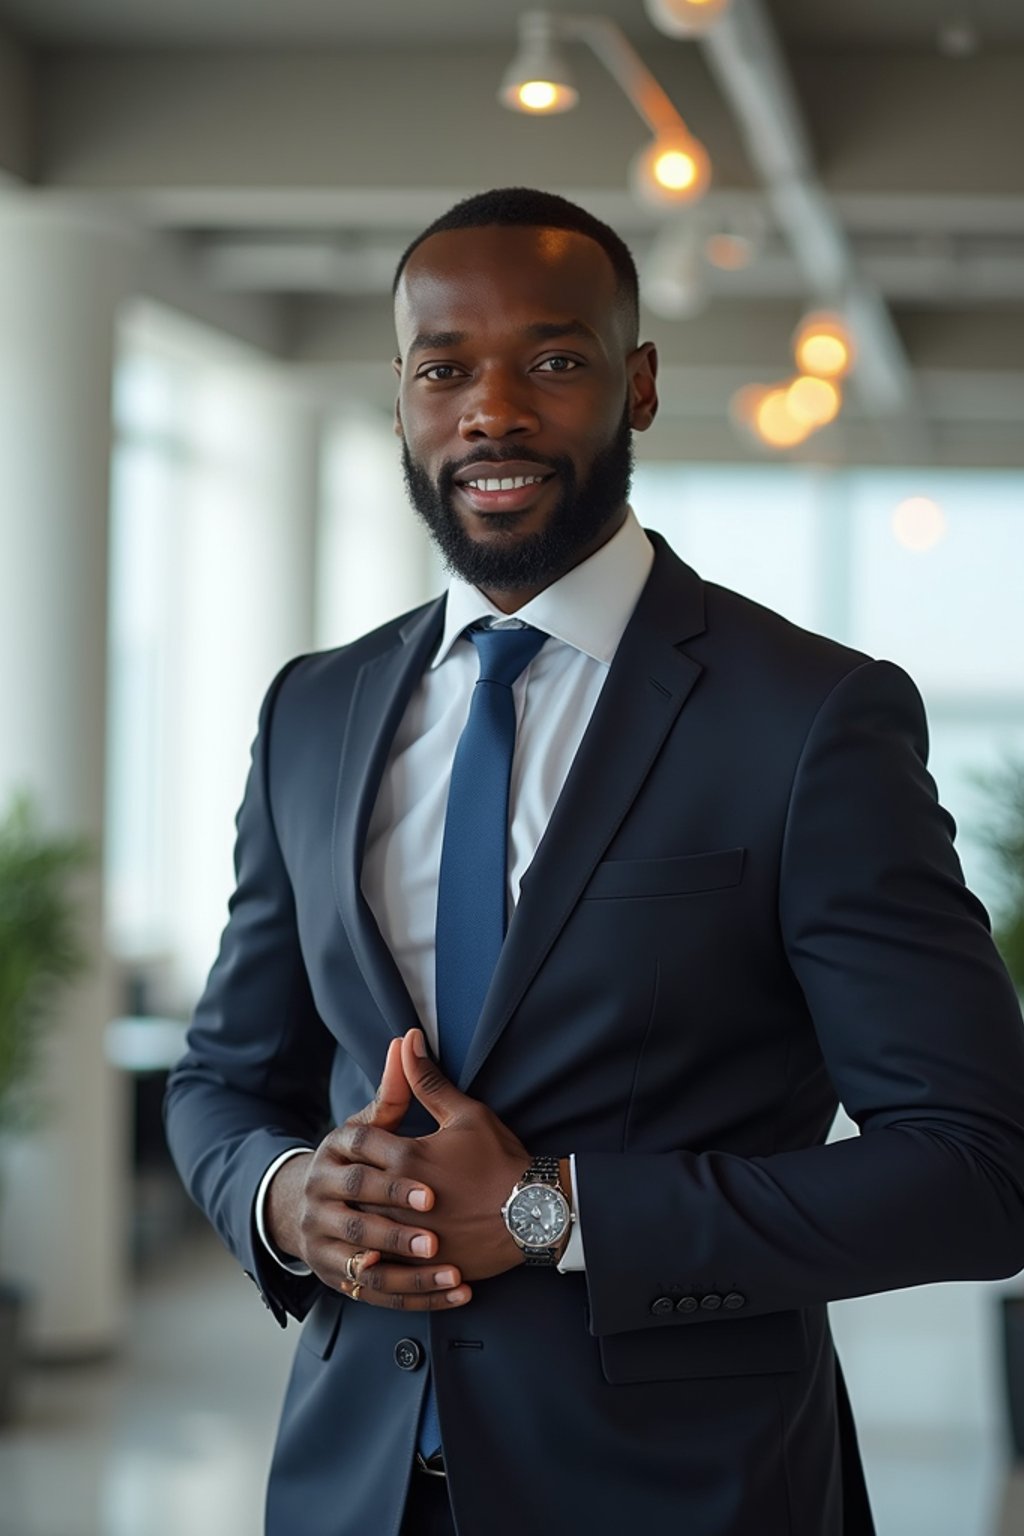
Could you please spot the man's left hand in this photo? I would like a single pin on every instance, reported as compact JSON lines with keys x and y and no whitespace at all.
{"x":471,"y":1162}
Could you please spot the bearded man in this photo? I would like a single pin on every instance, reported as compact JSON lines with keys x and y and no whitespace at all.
{"x":569,"y":907}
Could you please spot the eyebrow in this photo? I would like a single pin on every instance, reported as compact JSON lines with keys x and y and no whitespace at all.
{"x":540,"y":330}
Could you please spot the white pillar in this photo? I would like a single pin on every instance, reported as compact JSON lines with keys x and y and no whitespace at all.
{"x":246,"y":569}
{"x":62,"y":277}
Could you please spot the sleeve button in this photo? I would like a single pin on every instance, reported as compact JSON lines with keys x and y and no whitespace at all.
{"x":662,"y":1305}
{"x":711,"y":1302}
{"x":734,"y":1301}
{"x":687,"y":1304}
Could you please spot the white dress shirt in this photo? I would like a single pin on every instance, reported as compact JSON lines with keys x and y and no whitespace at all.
{"x":584,"y":614}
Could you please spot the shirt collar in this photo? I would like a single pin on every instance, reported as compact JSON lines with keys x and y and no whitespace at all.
{"x":587,"y":608}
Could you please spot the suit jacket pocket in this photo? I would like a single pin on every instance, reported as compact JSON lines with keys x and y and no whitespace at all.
{"x":320,"y":1329}
{"x":666,"y":877}
{"x":749,"y":1346}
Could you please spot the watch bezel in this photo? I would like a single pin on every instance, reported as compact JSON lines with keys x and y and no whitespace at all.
{"x":568,"y":1215}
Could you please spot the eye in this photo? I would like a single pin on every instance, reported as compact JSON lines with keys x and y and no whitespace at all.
{"x":439,"y":373}
{"x":559,"y":364}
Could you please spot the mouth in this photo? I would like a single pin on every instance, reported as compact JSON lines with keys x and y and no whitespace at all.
{"x":489,"y":490}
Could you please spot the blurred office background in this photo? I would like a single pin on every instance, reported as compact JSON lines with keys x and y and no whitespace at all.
{"x":201,"y":206}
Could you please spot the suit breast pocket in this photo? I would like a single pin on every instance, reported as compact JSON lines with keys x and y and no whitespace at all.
{"x":684,"y":876}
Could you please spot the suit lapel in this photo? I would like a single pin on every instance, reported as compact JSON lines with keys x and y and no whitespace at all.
{"x":382,"y":690}
{"x":647,"y":686}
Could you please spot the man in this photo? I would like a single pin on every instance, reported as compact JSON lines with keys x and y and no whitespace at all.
{"x":555,"y":1204}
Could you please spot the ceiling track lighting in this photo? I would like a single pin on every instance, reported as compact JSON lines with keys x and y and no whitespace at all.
{"x":673,"y":275}
{"x":735,"y":236}
{"x":674,"y":168}
{"x":538,"y":80}
{"x":685,"y":18}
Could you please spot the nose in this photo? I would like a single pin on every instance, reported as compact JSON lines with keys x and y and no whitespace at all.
{"x":498,"y":407}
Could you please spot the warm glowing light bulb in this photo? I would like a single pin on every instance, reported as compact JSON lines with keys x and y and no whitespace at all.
{"x":672,"y":170}
{"x":538,"y":80}
{"x":918,"y":523}
{"x":774,"y":422}
{"x":812,"y":400}
{"x":826,"y":356}
{"x":675,"y":169}
{"x":538,"y":95}
{"x":823,"y":346}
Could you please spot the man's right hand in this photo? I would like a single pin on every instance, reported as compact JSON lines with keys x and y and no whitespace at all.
{"x":313,"y":1213}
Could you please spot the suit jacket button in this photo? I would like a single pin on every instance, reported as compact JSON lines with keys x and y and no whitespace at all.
{"x":408,"y":1354}
{"x":687,"y":1304}
{"x":662,"y":1305}
{"x":734,"y":1301}
{"x":711,"y":1302}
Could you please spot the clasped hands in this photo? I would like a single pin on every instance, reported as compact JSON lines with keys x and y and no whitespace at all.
{"x":362,"y":1192}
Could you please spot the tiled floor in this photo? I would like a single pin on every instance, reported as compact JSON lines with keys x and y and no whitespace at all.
{"x":174,"y":1438}
{"x":171,"y":1440}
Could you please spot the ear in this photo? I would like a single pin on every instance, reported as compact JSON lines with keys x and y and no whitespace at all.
{"x":642,"y":369}
{"x":396,"y":364}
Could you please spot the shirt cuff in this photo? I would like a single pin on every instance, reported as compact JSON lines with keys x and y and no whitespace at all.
{"x":293,"y":1266}
{"x":572,"y":1258}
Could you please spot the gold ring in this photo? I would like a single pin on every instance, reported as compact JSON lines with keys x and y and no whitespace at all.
{"x":350,"y":1271}
{"x":354,"y":1292}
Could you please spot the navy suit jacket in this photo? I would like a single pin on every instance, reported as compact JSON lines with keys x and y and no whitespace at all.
{"x":745,"y":908}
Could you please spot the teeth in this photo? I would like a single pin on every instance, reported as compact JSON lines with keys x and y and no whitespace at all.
{"x":509,"y":483}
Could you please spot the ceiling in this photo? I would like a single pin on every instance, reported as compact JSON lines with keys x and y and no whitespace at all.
{"x":234,"y":23}
{"x":278,"y":158}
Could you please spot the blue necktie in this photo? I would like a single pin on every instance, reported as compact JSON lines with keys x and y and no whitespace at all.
{"x":473,"y":880}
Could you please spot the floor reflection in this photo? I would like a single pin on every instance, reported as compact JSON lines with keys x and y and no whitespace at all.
{"x":175,"y":1436}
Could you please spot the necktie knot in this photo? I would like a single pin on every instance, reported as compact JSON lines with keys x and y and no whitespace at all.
{"x":505,"y":653}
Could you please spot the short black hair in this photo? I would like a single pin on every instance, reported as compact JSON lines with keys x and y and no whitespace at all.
{"x":530,"y":207}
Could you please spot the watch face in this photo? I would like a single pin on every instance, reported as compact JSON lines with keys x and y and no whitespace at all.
{"x":538,"y":1216}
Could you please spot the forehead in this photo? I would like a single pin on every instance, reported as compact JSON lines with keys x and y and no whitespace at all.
{"x":469,"y":279}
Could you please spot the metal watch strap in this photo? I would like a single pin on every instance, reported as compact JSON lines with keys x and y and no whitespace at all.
{"x":543,"y":1170}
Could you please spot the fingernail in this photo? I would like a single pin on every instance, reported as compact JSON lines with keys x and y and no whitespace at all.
{"x":418,"y":1198}
{"x":445,"y":1277}
{"x":422,"y":1246}
{"x":456,"y":1296}
{"x":419,"y":1043}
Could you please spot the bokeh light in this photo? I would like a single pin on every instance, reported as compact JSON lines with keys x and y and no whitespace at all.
{"x":918,"y":523}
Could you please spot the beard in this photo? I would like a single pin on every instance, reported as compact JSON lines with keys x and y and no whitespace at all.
{"x":584,"y":508}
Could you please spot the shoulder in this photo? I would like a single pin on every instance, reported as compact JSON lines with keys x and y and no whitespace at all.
{"x":777,"y":673}
{"x":801,"y":676}
{"x":773,"y":649}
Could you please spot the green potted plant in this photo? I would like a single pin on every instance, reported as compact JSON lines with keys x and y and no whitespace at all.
{"x":1004,"y":838}
{"x":40,"y":951}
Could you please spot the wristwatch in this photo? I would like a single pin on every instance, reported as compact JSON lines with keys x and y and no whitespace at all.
{"x":537,"y":1214}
